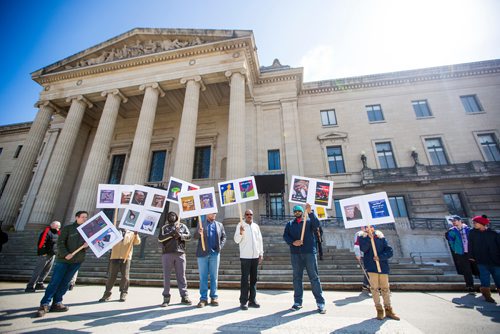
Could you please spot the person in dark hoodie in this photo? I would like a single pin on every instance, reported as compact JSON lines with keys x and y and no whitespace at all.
{"x":378,"y":280}
{"x":173,"y":236}
{"x":46,"y":251}
{"x":484,"y":249}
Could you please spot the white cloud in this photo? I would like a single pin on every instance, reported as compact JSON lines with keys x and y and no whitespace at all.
{"x":318,"y":64}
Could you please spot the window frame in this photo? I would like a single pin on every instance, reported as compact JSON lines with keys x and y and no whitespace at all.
{"x":327,"y":111}
{"x":462,"y":213}
{"x":197,"y":147}
{"x":152,"y":155}
{"x":111,"y":167}
{"x":398,"y":213}
{"x":342,"y":161}
{"x":370,"y":109}
{"x":481,"y":146}
{"x":278,"y":156}
{"x":429,"y":154}
{"x":466,"y":103}
{"x":417,"y":104}
{"x":18,"y":151}
{"x":385,"y":155}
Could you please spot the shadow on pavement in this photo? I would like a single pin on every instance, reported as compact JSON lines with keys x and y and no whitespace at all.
{"x":367,"y":326}
{"x":477,"y":303}
{"x":349,"y":300}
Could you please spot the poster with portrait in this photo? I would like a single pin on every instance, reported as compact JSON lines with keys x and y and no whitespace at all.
{"x":197,"y":202}
{"x":313,"y":191}
{"x":100,"y":234}
{"x":238,"y":191}
{"x":140,"y":220}
{"x":125,"y":192}
{"x":107,"y":196}
{"x":148,"y":198}
{"x":320,"y":212}
{"x":175,"y":186}
{"x":371,"y":209}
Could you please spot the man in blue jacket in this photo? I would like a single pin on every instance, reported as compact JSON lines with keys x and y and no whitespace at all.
{"x":303,"y":255}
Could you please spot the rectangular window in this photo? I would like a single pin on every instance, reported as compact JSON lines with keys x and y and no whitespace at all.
{"x":117,"y":164}
{"x":18,"y":151}
{"x":338,"y":213}
{"x":398,"y":206}
{"x":385,"y":155}
{"x":273,"y":160}
{"x":276,"y":205}
{"x":375,"y":113}
{"x":489,"y":145}
{"x":436,"y":151}
{"x":157,"y":166}
{"x":421,"y":108}
{"x":454,"y":203}
{"x":1,"y":150}
{"x":4,"y":183}
{"x":471,"y":103}
{"x":335,"y":159}
{"x":201,"y":168}
{"x":328,"y":117}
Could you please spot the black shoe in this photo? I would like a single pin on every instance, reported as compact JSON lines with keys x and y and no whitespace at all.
{"x":59,"y":307}
{"x":105,"y":297}
{"x":470,"y":289}
{"x":214,"y":302}
{"x":39,"y":286}
{"x":42,"y":310}
{"x":201,"y":304}
{"x":166,"y":301}
{"x":29,"y":289}
{"x":321,"y":310}
{"x":185,"y":300}
{"x":123,"y":296}
{"x":254,"y":305}
{"x":243,"y":307}
{"x":296,"y":307}
{"x":71,"y":286}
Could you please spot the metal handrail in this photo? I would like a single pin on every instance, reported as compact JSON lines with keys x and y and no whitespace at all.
{"x":414,"y":255}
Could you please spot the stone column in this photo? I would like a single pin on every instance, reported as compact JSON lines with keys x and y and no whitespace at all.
{"x":49,"y":191}
{"x":236,"y":135}
{"x":184,"y":156}
{"x":95,"y":170}
{"x":138,"y":162}
{"x":21,"y":175}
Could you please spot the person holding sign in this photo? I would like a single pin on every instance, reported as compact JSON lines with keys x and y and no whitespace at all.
{"x":247,"y":235}
{"x":120,"y":261}
{"x":303,"y":255}
{"x":71,"y":249}
{"x":173,"y":237}
{"x":378,"y":280}
{"x":209,"y":257}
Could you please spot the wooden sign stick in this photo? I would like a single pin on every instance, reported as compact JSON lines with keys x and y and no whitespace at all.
{"x":201,"y":236}
{"x":303,"y":226}
{"x":115,"y":216}
{"x":76,"y":251}
{"x":375,"y":251}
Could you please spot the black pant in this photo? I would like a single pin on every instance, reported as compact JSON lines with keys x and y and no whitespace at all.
{"x":464,"y":268}
{"x":116,"y":266}
{"x":248,"y":293}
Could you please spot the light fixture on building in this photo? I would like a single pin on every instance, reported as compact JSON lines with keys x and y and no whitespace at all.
{"x":414,"y":155}
{"x":363,"y":159}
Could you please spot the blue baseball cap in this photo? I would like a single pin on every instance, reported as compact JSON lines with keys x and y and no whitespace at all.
{"x":298,"y":208}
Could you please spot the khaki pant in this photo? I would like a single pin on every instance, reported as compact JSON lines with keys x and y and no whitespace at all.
{"x":380,"y":281}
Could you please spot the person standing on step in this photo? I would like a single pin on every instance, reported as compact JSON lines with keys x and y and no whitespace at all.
{"x":173,"y":236}
{"x":247,"y":235}
{"x":66,"y":265}
{"x":119,"y":261}
{"x":457,"y":238}
{"x":46,"y":251}
{"x":303,"y":255}
{"x":214,"y":237}
{"x":378,"y":280}
{"x":359,"y":256}
{"x":484,"y":249}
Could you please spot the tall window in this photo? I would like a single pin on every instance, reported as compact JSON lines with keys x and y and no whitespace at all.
{"x":276,"y":205}
{"x":385,"y":155}
{"x":375,"y":113}
{"x":201,"y":168}
{"x":471,"y":103}
{"x":1,"y":150}
{"x":157,"y":166}
{"x":454,"y":203}
{"x":335,"y":159}
{"x":489,"y":145}
{"x":328,"y":117}
{"x":115,"y":174}
{"x":273,"y":160}
{"x":398,"y":206}
{"x":18,"y":151}
{"x":436,"y":151}
{"x":338,"y":212}
{"x":4,"y":183}
{"x":421,"y":108}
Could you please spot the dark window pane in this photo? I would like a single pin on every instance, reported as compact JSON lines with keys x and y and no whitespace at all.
{"x":338,"y":213}
{"x":421,"y":108}
{"x":471,"y":103}
{"x":398,"y":206}
{"x":385,"y":155}
{"x":157,"y":166}
{"x":276,"y":204}
{"x":4,"y":183}
{"x":375,"y":113}
{"x":273,"y":160}
{"x":328,"y":117}
{"x":489,"y":145}
{"x":436,"y":151}
{"x":18,"y":151}
{"x":335,"y":159}
{"x":201,"y":168}
{"x":454,"y":204}
{"x":115,"y":174}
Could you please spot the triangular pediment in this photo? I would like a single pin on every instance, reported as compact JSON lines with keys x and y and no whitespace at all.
{"x":141,"y":42}
{"x":333,"y":136}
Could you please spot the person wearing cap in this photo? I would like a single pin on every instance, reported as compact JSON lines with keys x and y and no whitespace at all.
{"x":457,"y":237}
{"x":484,"y":249}
{"x":303,"y":255}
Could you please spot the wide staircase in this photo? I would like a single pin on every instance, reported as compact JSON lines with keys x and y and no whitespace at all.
{"x":339,"y":269}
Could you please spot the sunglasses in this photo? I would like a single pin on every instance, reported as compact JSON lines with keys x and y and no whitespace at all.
{"x":248,"y":214}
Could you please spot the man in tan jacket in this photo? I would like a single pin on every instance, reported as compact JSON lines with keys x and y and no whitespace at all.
{"x":117,"y":263}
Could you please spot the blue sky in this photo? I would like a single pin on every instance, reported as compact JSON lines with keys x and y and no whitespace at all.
{"x":330,"y":39}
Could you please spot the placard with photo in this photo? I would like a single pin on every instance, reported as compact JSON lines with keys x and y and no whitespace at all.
{"x":149,"y":198}
{"x":320,"y":212}
{"x":140,"y":220}
{"x":125,"y":191}
{"x":175,"y":186}
{"x":100,"y":234}
{"x":371,"y":209}
{"x":313,"y":191}
{"x":197,"y":202}
{"x":107,"y":196}
{"x":238,"y":191}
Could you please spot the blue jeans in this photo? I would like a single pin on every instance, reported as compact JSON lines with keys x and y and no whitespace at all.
{"x":484,"y":275}
{"x":209,"y":265}
{"x":61,"y":276}
{"x":309,"y":262}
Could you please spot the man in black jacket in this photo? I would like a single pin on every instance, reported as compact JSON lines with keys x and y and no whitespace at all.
{"x":46,"y":250}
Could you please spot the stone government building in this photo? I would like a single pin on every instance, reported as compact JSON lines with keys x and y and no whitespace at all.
{"x":197,"y":105}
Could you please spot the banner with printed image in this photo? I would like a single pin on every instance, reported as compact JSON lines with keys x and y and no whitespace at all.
{"x":371,"y":209}
{"x":312,"y":191}
{"x":197,"y":202}
{"x":100,"y":234}
{"x":112,"y":196}
{"x":238,"y":191}
{"x":140,"y":220}
{"x":148,"y":198}
{"x":176,"y":186}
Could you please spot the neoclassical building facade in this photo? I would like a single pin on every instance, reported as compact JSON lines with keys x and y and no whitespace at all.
{"x":196,"y":104}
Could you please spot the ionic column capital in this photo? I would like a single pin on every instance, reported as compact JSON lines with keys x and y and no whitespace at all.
{"x":115,"y":92}
{"x":195,"y":78}
{"x":80,"y":98}
{"x":49,"y":104}
{"x":153,"y":85}
{"x":230,"y":73}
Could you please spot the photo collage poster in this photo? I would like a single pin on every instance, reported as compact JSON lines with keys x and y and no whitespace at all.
{"x":238,"y":191}
{"x":312,"y":191}
{"x":100,"y":234}
{"x":197,"y":202}
{"x":176,"y":186}
{"x":371,"y":209}
{"x":148,"y":198}
{"x":140,"y":220}
{"x":112,"y":196}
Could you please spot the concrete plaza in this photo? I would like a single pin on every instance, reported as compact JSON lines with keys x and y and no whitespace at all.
{"x":347,"y":312}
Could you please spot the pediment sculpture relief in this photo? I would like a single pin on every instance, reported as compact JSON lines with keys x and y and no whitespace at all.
{"x":333,"y":136}
{"x":139,"y":48}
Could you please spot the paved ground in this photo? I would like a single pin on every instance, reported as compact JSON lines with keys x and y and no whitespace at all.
{"x":347,"y":312}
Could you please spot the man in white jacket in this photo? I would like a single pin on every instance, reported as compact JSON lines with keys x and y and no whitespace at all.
{"x":248,"y":236}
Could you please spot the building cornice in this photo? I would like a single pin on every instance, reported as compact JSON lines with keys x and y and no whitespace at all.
{"x":15,"y":128}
